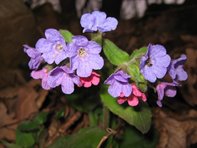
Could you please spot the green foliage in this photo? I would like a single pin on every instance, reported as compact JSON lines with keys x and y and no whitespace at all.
{"x":132,"y":138}
{"x":28,"y":132}
{"x":67,"y":35}
{"x":138,"y":53}
{"x":134,"y":71}
{"x":41,"y":118}
{"x":138,"y":117}
{"x":25,"y":140}
{"x":85,"y":138}
{"x":114,"y":54}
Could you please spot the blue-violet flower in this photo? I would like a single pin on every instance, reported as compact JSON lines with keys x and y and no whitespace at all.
{"x":176,"y":70}
{"x":35,"y":56}
{"x":154,"y":63}
{"x":65,"y":77}
{"x":53,"y":48}
{"x":86,"y":56}
{"x":98,"y":21}
{"x":119,"y":84}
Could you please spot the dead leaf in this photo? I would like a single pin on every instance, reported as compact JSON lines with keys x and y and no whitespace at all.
{"x":176,"y":130}
{"x":189,"y":90}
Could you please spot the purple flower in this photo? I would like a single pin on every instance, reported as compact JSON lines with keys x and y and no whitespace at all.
{"x":167,"y":89}
{"x":154,"y":63}
{"x":35,"y":56}
{"x":176,"y":70}
{"x":53,"y":48}
{"x":65,"y":77}
{"x":119,"y":84}
{"x":98,"y":21}
{"x":43,"y":75}
{"x":86,"y":56}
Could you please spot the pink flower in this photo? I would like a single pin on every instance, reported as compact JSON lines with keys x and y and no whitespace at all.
{"x":41,"y":74}
{"x":94,"y":79}
{"x":133,"y":99}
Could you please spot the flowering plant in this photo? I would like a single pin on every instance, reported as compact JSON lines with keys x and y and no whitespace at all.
{"x":74,"y":61}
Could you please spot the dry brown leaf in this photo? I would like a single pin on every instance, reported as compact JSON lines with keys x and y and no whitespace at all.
{"x":26,"y":102}
{"x":176,"y":130}
{"x":18,"y":104}
{"x":5,"y":118}
{"x":8,"y":133}
{"x":189,"y":91}
{"x":29,"y":100}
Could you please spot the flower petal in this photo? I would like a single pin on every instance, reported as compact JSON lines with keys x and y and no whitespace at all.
{"x":126,"y":90}
{"x":43,"y":45}
{"x":80,"y":40}
{"x":52,"y":34}
{"x":93,"y":47}
{"x":109,"y":24}
{"x":157,"y":50}
{"x":121,"y":100}
{"x":170,"y":91}
{"x":115,"y":89}
{"x":87,"y":22}
{"x":84,"y":69}
{"x":67,"y":85}
{"x":159,"y":71}
{"x":133,"y":101}
{"x":99,"y":18}
{"x":148,"y":74}
{"x":96,"y":62}
{"x":55,"y":77}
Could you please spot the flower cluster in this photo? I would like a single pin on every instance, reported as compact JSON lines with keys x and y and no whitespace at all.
{"x":154,"y":65}
{"x":59,"y":63}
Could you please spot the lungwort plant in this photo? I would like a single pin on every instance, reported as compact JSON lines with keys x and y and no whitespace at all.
{"x":75,"y":61}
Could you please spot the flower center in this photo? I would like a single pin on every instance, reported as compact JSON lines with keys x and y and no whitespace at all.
{"x":82,"y":52}
{"x":148,"y":63}
{"x":59,"y":47}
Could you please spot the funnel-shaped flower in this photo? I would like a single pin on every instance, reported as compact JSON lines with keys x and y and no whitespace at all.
{"x":65,"y":77}
{"x":85,"y":56}
{"x":119,"y":84}
{"x":98,"y":21}
{"x":53,"y":48}
{"x":154,"y":63}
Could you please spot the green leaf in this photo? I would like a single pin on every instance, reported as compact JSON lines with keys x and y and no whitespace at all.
{"x":60,"y":113}
{"x":67,"y":35}
{"x":114,"y":54}
{"x":41,"y":118}
{"x":138,"y":117}
{"x":137,"y":77}
{"x":132,"y":138}
{"x":28,"y":126}
{"x":85,"y":138}
{"x":24,"y":139}
{"x":138,"y":53}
